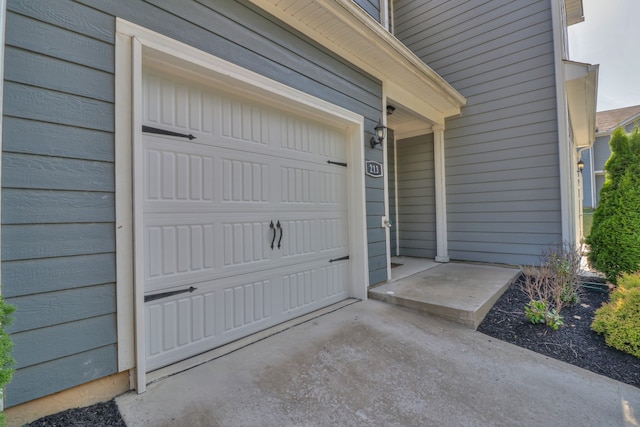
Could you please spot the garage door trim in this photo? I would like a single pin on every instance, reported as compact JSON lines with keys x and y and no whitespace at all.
{"x":137,"y":46}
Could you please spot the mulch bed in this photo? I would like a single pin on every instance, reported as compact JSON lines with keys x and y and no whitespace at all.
{"x":100,"y":414}
{"x":573,"y":343}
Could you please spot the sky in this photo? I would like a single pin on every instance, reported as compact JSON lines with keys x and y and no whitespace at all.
{"x":610,"y":36}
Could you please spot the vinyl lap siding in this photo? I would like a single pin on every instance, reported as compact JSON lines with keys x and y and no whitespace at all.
{"x":587,"y":199}
{"x":502,"y":172}
{"x":236,"y":32}
{"x":601,"y":152}
{"x":416,"y":197}
{"x":58,"y":260}
{"x":372,"y":7}
{"x":58,"y":240}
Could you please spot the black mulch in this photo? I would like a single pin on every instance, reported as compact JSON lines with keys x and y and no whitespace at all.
{"x":100,"y":414}
{"x":573,"y":343}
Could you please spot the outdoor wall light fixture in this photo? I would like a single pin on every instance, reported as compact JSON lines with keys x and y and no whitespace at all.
{"x":378,"y":137}
{"x":580,"y":166}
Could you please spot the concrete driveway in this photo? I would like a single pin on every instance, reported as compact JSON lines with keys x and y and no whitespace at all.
{"x":374,"y":364}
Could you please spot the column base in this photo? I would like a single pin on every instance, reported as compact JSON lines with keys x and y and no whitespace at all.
{"x":442,"y":259}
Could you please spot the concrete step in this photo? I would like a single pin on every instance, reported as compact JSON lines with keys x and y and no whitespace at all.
{"x":459,"y":292}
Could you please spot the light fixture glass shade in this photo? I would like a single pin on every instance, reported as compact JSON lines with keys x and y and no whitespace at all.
{"x":380,"y":131}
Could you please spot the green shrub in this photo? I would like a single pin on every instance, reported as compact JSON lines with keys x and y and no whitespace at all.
{"x":536,"y":312}
{"x":619,"y":319}
{"x":615,"y":235}
{"x":6,"y":345}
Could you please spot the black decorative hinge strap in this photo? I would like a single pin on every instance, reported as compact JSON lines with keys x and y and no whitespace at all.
{"x":339,"y":259}
{"x":154,"y":297}
{"x":337,"y":163}
{"x":149,"y":129}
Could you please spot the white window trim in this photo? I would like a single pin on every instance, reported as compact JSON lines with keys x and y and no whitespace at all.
{"x":133,"y":45}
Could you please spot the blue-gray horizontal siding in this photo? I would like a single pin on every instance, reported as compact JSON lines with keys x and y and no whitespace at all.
{"x":501,"y":154}
{"x":58,"y":245}
{"x":416,"y":197}
{"x":50,"y":377}
{"x":601,"y":152}
{"x":58,"y":259}
{"x":372,"y":7}
{"x":587,"y":175}
{"x":240,"y":33}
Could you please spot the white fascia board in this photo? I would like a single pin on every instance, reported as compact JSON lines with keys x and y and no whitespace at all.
{"x":581,"y":82}
{"x":384,"y":57}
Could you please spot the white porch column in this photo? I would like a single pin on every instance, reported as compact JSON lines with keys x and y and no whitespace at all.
{"x":442,"y":251}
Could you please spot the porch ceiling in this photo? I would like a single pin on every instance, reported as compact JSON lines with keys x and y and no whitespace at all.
{"x":582,"y":88}
{"x":346,"y":29}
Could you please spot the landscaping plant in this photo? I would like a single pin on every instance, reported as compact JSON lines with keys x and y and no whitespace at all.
{"x":615,"y":235}
{"x":6,"y":345}
{"x":552,"y":285}
{"x":619,"y":319}
{"x":564,"y":262}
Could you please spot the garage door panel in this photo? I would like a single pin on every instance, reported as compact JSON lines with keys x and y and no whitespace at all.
{"x":178,"y":253}
{"x":172,"y":175}
{"x":245,"y":243}
{"x":308,"y":288}
{"x":223,"y":118}
{"x":208,"y":206}
{"x":245,"y":181}
{"x":172,"y":325}
{"x":246,"y":304}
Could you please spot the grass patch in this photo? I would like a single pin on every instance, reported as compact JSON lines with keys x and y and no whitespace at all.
{"x":587,"y":221}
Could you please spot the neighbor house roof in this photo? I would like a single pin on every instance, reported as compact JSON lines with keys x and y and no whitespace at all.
{"x":607,"y":121}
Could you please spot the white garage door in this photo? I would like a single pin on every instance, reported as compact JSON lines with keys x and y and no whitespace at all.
{"x":245,"y":225}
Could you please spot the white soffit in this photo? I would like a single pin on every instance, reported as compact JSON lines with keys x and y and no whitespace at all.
{"x":346,"y":29}
{"x":582,"y":88}
{"x":574,"y":11}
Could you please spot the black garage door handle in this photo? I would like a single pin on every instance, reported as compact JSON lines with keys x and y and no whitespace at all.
{"x":274,"y":234}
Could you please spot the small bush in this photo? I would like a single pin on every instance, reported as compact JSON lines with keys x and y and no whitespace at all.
{"x":536,"y":312}
{"x":619,"y":319}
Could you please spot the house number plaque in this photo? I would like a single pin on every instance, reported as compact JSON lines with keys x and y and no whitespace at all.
{"x":374,"y":169}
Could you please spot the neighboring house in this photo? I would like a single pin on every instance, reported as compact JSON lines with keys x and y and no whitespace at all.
{"x":180,"y":174}
{"x":595,"y":157}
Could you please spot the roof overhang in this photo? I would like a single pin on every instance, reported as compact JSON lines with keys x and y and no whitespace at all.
{"x":581,"y":81}
{"x":346,"y":29}
{"x":574,"y":11}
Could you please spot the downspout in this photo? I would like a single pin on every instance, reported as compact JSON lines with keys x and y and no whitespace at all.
{"x":592,"y":176}
{"x":3,"y":15}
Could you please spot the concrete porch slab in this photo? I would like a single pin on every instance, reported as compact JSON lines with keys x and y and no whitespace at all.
{"x":459,"y":292}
